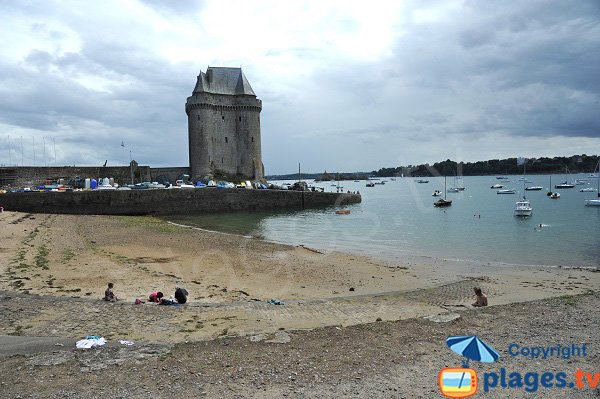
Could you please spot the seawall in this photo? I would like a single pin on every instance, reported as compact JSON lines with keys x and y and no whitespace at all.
{"x":169,"y":202}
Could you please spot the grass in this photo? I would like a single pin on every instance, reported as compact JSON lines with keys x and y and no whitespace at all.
{"x":41,"y":258}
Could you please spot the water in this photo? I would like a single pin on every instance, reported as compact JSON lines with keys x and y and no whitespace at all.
{"x":398,"y":219}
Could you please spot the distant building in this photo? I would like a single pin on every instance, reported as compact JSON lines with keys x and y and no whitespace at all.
{"x":224,"y":125}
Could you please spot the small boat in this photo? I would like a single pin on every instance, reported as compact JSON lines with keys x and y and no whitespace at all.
{"x":342,"y":212}
{"x":507,"y":191}
{"x":596,"y":201}
{"x":370,"y":183}
{"x":443,"y":202}
{"x":523,"y":208}
{"x":581,"y":182}
{"x":454,"y":190}
{"x":104,"y":184}
{"x":437,"y":193}
{"x":555,"y":195}
{"x":587,"y":190}
{"x":533,"y":188}
{"x":565,"y":184}
{"x":497,"y":185}
{"x":422,"y":181}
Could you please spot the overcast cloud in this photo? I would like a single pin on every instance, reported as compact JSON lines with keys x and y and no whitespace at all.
{"x":344,"y":86}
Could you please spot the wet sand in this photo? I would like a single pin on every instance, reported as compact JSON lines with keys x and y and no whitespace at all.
{"x":230,"y":278}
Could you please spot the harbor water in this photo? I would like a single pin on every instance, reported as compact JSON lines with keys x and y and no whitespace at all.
{"x":397,"y":219}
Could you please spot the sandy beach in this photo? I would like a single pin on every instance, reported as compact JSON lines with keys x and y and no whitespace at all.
{"x":54,"y":269}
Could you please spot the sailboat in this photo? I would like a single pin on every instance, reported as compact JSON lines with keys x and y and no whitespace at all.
{"x":566,"y":183}
{"x":594,"y":202}
{"x":443,"y":202}
{"x":550,"y":194}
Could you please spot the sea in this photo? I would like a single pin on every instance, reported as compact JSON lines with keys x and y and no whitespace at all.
{"x":397,"y":219}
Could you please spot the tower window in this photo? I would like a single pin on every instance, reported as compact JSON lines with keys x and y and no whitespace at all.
{"x":240,"y":118}
{"x":221,"y":159}
{"x":253,"y":139}
{"x":198,"y":117}
{"x":226,"y":139}
{"x":222,"y":117}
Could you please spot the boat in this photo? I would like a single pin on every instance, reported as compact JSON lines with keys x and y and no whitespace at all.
{"x":342,"y":212}
{"x":437,"y":193}
{"x":497,"y":185}
{"x":533,"y":188}
{"x":565,"y":184}
{"x":104,"y":184}
{"x":422,"y":181}
{"x":587,"y":190}
{"x":581,"y":182}
{"x":555,"y":195}
{"x":507,"y":191}
{"x":523,"y":208}
{"x":453,"y":190}
{"x":370,"y":183}
{"x":443,"y":202}
{"x":596,"y":201}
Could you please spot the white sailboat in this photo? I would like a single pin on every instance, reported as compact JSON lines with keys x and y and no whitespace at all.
{"x":594,"y":202}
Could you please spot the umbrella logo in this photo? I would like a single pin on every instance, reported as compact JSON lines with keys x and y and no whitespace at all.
{"x":462,"y":382}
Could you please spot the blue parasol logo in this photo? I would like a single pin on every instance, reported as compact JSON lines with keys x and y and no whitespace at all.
{"x":472,"y":348}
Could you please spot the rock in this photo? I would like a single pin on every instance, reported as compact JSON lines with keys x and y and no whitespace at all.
{"x":281,"y":337}
{"x":443,"y":318}
{"x":351,"y":289}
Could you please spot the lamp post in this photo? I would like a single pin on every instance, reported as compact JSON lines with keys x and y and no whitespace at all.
{"x":131,"y":166}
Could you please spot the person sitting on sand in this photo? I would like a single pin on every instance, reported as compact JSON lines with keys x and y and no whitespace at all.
{"x":181,"y":295}
{"x":480,"y":298}
{"x":155,"y":297}
{"x":109,"y":294}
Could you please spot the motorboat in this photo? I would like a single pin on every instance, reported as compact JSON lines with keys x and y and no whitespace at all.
{"x":422,"y":181}
{"x":342,"y":212}
{"x":587,"y":190}
{"x":370,"y":183}
{"x":533,"y":188}
{"x":104,"y":184}
{"x":555,"y":195}
{"x":453,"y":190}
{"x":523,"y":208}
{"x":507,"y":191}
{"x":581,"y":182}
{"x":437,"y":193}
{"x":497,"y":185}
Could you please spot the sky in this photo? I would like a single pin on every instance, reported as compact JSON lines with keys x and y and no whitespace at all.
{"x":345,"y":85}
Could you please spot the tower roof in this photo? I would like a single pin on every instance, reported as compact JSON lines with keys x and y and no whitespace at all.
{"x":223,"y":80}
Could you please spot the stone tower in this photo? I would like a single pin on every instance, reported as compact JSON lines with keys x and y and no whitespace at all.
{"x":224,"y":125}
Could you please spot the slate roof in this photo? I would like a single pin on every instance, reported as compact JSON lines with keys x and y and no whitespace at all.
{"x":223,"y":80}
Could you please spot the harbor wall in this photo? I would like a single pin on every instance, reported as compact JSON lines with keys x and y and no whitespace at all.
{"x":169,"y":202}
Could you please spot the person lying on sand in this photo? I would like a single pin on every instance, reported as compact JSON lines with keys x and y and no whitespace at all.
{"x":480,"y":298}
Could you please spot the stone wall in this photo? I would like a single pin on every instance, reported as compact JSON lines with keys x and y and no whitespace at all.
{"x":174,"y":201}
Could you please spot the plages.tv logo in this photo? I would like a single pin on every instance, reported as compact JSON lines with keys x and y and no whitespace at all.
{"x":461,"y":382}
